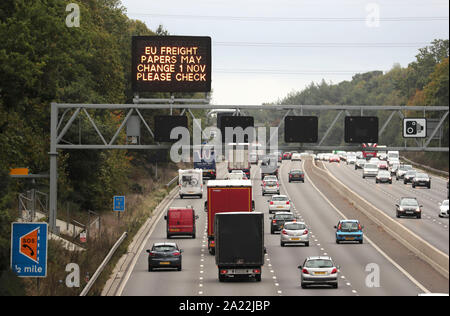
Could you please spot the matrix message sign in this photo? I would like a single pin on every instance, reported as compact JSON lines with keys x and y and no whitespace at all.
{"x":171,"y":64}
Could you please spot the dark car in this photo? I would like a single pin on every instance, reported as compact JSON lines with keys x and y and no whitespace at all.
{"x":409,"y":206}
{"x":296,"y":175}
{"x":279,"y":219}
{"x":421,"y":179}
{"x":163,"y":256}
{"x":409,"y":176}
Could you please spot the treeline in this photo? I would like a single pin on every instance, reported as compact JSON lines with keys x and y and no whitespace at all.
{"x":423,"y":82}
{"x":42,"y":60}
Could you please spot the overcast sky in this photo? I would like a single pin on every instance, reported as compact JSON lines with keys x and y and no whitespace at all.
{"x":265,"y":49}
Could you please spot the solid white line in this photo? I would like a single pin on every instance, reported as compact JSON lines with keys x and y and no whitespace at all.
{"x":136,"y":256}
{"x":409,"y":276}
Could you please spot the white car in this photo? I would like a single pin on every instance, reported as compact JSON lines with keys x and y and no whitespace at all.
{"x":351,"y":160}
{"x":370,"y":170}
{"x":296,"y":157}
{"x":279,"y":203}
{"x":443,"y":209}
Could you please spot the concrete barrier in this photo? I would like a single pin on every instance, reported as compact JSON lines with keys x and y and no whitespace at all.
{"x":424,"y":250}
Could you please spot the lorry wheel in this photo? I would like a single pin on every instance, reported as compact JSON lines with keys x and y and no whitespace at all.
{"x":169,"y":236}
{"x":181,"y":196}
{"x":193,"y":236}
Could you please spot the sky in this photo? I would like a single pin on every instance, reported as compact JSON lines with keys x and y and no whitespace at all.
{"x":263,"y":50}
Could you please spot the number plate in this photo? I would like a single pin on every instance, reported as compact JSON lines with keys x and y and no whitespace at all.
{"x":164,"y":263}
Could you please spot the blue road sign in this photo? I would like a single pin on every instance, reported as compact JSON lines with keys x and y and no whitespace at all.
{"x":29,"y":249}
{"x":119,"y":204}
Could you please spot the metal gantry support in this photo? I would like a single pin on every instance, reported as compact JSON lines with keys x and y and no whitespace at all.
{"x":57,"y":141}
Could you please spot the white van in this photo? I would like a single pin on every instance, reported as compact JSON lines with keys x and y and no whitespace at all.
{"x":393,"y":157}
{"x":190,"y":182}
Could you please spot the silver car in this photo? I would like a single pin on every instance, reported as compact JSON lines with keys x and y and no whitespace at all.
{"x":279,"y":203}
{"x":360,"y":163}
{"x":294,"y":233}
{"x":370,"y":170}
{"x":319,"y":271}
{"x":402,"y":169}
{"x":270,"y":187}
{"x":383,"y":176}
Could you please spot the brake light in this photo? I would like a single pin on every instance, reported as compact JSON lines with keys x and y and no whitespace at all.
{"x":304,"y":271}
{"x":359,"y":227}
{"x":257,"y":271}
{"x":278,"y":185}
{"x":223,"y":271}
{"x":151,"y":254}
{"x":271,"y":202}
{"x":176,"y":253}
{"x":284,"y":232}
{"x":334,"y":271}
{"x":287,"y":203}
{"x":274,"y":221}
{"x":305,"y":232}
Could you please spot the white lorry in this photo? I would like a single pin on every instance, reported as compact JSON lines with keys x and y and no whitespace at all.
{"x":190,"y":182}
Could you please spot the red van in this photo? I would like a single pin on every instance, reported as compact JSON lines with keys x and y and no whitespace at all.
{"x":180,"y":221}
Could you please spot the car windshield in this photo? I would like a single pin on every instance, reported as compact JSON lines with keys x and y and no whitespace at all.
{"x":445,"y":203}
{"x":295,"y":226}
{"x":164,"y":248}
{"x":370,"y":166}
{"x":409,"y":202}
{"x":319,"y":263}
{"x":279,"y":198}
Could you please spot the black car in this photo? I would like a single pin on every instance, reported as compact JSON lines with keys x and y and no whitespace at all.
{"x":279,"y":219}
{"x":163,"y":256}
{"x":409,"y":206}
{"x":421,"y":179}
{"x":296,"y":175}
{"x":409,"y":176}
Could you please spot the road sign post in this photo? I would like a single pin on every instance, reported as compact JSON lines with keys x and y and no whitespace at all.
{"x":29,"y":249}
{"x":119,"y":205}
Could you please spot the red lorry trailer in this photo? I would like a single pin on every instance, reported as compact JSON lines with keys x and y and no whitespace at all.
{"x":226,"y":196}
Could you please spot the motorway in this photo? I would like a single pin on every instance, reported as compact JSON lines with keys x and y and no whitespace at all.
{"x":384,"y":196}
{"x":280,"y":276}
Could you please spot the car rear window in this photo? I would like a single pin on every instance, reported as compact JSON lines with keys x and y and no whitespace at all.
{"x":319,"y":263}
{"x":164,"y":248}
{"x":284,"y":216}
{"x":279,"y":198}
{"x":409,"y":202}
{"x":271,"y":183}
{"x":349,"y":226}
{"x":370,"y":166}
{"x":295,"y":226}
